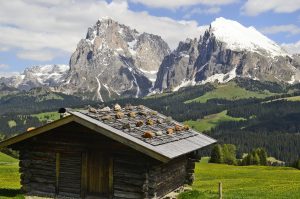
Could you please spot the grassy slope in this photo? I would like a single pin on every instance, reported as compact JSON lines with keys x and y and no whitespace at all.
{"x":244,"y":182}
{"x":211,"y":121}
{"x":230,"y":91}
{"x":9,"y":177}
{"x":47,"y":116}
{"x":294,"y":99}
{"x":12,"y":123}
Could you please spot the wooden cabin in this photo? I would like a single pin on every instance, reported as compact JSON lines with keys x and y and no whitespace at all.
{"x":129,"y":152}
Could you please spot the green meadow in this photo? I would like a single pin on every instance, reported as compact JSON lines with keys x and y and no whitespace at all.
{"x":43,"y":117}
{"x":245,"y":182}
{"x":230,"y":91}
{"x":211,"y":121}
{"x":9,"y":177}
{"x":293,"y":99}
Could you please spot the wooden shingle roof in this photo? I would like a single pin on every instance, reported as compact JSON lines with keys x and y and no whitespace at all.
{"x":138,"y":127}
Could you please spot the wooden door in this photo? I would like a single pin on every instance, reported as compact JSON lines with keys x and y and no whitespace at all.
{"x":69,"y":174}
{"x":98,"y":174}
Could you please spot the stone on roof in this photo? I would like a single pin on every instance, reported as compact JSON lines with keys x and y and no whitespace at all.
{"x":142,"y":123}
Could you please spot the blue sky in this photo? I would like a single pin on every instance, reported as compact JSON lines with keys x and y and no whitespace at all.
{"x":34,"y":32}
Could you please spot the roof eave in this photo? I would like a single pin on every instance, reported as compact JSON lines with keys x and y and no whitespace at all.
{"x":36,"y":131}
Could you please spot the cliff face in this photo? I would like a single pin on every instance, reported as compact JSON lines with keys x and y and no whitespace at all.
{"x":114,"y":61}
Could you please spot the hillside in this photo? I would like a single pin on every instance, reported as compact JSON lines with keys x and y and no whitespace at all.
{"x":9,"y":177}
{"x":270,"y":125}
{"x":230,"y":91}
{"x":248,"y":123}
{"x":211,"y":121}
{"x":18,"y":110}
{"x":38,"y":100}
{"x":247,"y":182}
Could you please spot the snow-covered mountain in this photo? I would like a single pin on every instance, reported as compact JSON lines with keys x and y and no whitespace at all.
{"x":114,"y":60}
{"x":238,"y":38}
{"x":37,"y":76}
{"x":225,"y":50}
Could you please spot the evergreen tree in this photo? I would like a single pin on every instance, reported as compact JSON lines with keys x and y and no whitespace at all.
{"x":262,"y":156}
{"x":297,"y":164}
{"x":256,"y":160}
{"x":250,"y":159}
{"x":229,"y":151}
{"x":217,"y":155}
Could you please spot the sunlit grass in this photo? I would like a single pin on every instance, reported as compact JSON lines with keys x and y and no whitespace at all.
{"x":211,"y":121}
{"x":245,"y":182}
{"x":230,"y":91}
{"x":9,"y":177}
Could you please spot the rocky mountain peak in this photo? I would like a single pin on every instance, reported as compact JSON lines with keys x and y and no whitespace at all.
{"x":225,"y":50}
{"x":115,"y":60}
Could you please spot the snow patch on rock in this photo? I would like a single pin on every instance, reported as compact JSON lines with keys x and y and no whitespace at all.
{"x":221,"y":77}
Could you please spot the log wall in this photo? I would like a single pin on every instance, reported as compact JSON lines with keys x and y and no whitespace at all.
{"x":130,"y":176}
{"x":38,"y":174}
{"x":165,"y":178}
{"x":134,"y":175}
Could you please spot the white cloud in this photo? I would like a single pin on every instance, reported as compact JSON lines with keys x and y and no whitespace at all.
{"x":39,"y":55}
{"x":8,"y":74}
{"x":3,"y":49}
{"x":45,"y":27}
{"x":174,"y":4}
{"x":289,"y":28}
{"x":256,"y":7}
{"x":293,"y":48}
{"x":199,"y":11}
{"x":3,"y":66}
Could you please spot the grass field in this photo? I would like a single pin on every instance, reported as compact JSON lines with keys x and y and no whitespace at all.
{"x":230,"y":91}
{"x":293,"y":99}
{"x":12,"y":123}
{"x":247,"y":182}
{"x":211,"y":121}
{"x":9,"y":177}
{"x":47,"y":116}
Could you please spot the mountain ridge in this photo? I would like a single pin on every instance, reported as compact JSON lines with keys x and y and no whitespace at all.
{"x":114,"y":61}
{"x":212,"y":59}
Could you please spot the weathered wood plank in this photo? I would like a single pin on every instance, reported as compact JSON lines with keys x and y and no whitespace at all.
{"x":111,"y":176}
{"x":84,"y":174}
